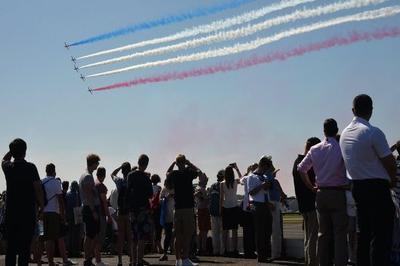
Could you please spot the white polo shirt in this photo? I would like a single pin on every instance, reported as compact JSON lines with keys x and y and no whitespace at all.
{"x":362,"y":147}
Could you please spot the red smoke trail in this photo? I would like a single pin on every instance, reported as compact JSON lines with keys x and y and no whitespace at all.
{"x":352,"y":37}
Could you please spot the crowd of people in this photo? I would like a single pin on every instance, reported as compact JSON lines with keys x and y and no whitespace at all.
{"x":347,"y":188}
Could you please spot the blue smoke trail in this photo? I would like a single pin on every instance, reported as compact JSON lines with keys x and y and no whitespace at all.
{"x":200,"y":12}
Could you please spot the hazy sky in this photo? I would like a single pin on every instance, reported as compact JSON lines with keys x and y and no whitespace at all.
{"x":215,"y":120}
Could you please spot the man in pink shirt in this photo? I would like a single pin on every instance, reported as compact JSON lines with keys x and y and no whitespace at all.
{"x":326,"y":160}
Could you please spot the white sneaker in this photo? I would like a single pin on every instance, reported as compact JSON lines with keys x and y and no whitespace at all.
{"x":178,"y":263}
{"x":188,"y":262}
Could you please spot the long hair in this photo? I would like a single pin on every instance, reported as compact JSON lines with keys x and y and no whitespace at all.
{"x":229,"y":177}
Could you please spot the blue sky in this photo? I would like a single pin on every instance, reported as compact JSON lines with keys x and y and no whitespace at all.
{"x":215,"y":120}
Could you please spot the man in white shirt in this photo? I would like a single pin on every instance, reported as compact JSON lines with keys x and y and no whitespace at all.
{"x":258,"y":187}
{"x":53,"y":214}
{"x":372,"y":169}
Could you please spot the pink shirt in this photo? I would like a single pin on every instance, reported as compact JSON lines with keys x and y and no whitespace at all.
{"x":327,"y":161}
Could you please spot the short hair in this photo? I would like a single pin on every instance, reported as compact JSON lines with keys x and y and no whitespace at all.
{"x":265,"y":161}
{"x":18,"y":148}
{"x":65,"y":185}
{"x":330,"y":127}
{"x":92,"y":159}
{"x":362,"y":105}
{"x":50,"y":169}
{"x":221,"y":174}
{"x":101,"y":172}
{"x":125,"y":168}
{"x":143,"y":160}
{"x":180,"y":159}
{"x":74,"y":186}
{"x":311,"y":142}
{"x":155,"y":179}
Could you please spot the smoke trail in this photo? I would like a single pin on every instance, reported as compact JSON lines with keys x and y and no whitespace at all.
{"x":351,"y":38}
{"x":244,"y":31}
{"x":201,"y":12}
{"x":207,"y":28}
{"x":241,"y":47}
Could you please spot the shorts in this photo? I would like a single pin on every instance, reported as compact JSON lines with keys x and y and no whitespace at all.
{"x":141,"y":223}
{"x":204,"y":219}
{"x":184,"y":223}
{"x":92,"y":227}
{"x":230,"y":219}
{"x":51,"y":226}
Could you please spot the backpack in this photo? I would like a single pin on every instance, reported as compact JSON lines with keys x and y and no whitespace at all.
{"x":214,"y":200}
{"x":155,"y":201}
{"x":45,"y":200}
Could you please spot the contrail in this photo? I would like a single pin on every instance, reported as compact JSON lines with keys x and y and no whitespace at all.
{"x":207,"y":28}
{"x":244,"y":31}
{"x":241,"y":47}
{"x":200,"y":12}
{"x":351,"y":38}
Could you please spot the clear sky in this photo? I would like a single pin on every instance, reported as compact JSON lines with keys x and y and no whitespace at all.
{"x":215,"y":120}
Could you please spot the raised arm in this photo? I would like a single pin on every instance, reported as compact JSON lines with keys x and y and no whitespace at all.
{"x":171,"y":167}
{"x":7,"y":157}
{"x":237,"y":170}
{"x":395,"y":146}
{"x":115,"y":173}
{"x":194,"y":167}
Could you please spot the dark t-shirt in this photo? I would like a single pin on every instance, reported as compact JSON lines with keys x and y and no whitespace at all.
{"x":182,"y":181}
{"x":21,"y":200}
{"x":101,"y":189}
{"x":139,"y":190}
{"x":305,"y":197}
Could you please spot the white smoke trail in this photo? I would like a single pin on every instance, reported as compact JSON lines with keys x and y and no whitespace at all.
{"x":244,"y":31}
{"x":241,"y":47}
{"x":207,"y":28}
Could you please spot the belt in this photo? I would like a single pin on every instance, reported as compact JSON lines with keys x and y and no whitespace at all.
{"x":334,"y":188}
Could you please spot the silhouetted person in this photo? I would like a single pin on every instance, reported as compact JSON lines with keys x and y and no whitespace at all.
{"x":90,"y":210}
{"x":124,"y":227}
{"x":24,"y":190}
{"x":184,"y":224}
{"x":139,"y":192}
{"x":306,"y":200}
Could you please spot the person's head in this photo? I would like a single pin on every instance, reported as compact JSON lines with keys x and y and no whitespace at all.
{"x":92,"y":162}
{"x":155,"y":179}
{"x":265,"y":164}
{"x":362,"y":106}
{"x":229,"y":176}
{"x":18,"y":148}
{"x":203,"y":181}
{"x":50,"y":170}
{"x":330,"y":128}
{"x":65,"y":186}
{"x":180,"y":161}
{"x":143,"y":161}
{"x":221,"y":175}
{"x":125,"y":168}
{"x":101,"y":174}
{"x":311,"y":142}
{"x":74,"y":186}
{"x":252,"y":168}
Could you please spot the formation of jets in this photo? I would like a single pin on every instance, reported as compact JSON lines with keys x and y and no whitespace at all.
{"x":76,"y":68}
